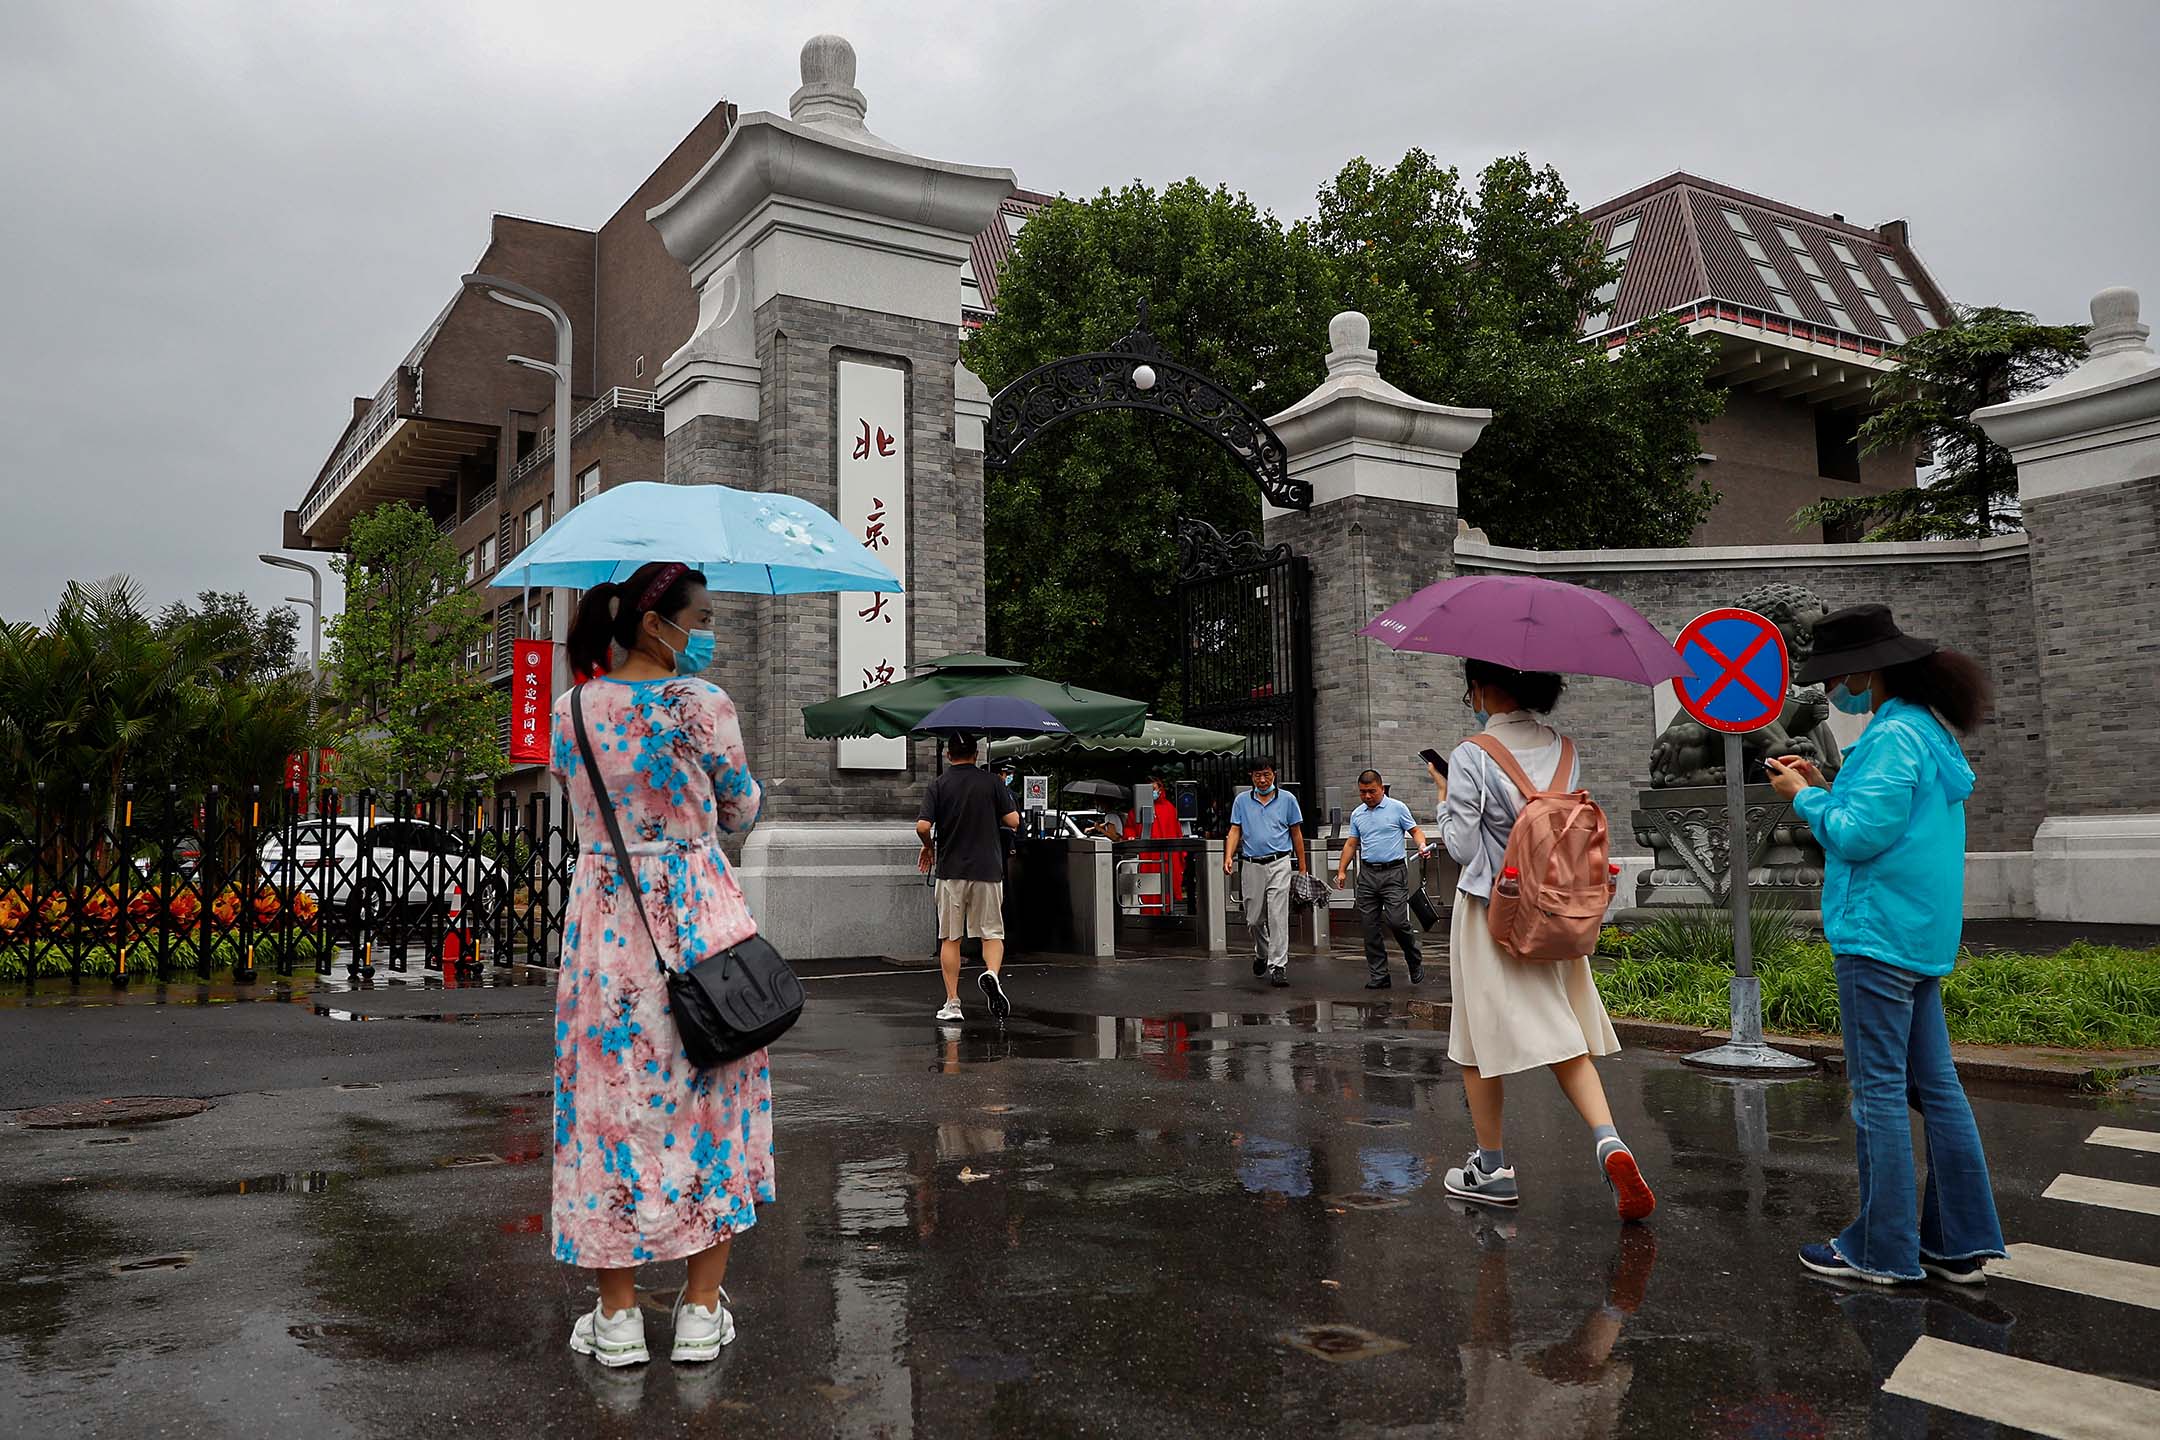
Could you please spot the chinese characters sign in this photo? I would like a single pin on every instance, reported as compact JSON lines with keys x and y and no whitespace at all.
{"x":532,"y":679}
{"x":871,"y":494}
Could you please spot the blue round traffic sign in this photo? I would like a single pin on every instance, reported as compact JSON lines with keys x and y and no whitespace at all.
{"x":1737,"y":670}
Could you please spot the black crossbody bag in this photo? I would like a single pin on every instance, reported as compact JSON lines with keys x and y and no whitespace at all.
{"x":728,"y":1004}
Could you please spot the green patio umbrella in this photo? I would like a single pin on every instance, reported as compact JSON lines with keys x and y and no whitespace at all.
{"x":1156,"y":737}
{"x":897,"y":708}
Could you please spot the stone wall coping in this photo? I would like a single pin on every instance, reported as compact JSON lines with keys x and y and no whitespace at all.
{"x":1478,"y":555}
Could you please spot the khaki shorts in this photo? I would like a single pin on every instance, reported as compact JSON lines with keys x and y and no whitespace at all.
{"x":971,"y":907}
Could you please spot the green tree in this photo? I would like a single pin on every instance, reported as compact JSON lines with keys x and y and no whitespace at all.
{"x":1477,"y":299}
{"x":1986,"y":356}
{"x":251,"y":644}
{"x":1081,"y":529}
{"x":405,"y":695}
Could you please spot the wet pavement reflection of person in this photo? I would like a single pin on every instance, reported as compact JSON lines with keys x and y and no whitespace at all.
{"x":1890,"y":1324}
{"x":1571,"y":1387}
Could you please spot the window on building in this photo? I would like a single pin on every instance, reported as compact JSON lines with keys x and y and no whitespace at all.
{"x":1850,"y":531}
{"x":472,"y":654}
{"x":1844,"y":254}
{"x":1895,"y":331}
{"x":535,"y":522}
{"x":538,"y":621}
{"x":638,"y":370}
{"x":487,"y":650}
{"x":1808,"y":265}
{"x":970,"y":287}
{"x":588,"y":484}
{"x":1014,"y":224}
{"x":1837,"y":444}
{"x":1779,"y":295}
{"x":470,"y":573}
{"x":487,"y":556}
{"x":1617,"y":246}
{"x":1829,"y":297}
{"x":1897,"y":271}
{"x":1792,"y":240}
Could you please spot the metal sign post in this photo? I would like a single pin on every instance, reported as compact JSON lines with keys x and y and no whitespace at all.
{"x":1736,"y":681}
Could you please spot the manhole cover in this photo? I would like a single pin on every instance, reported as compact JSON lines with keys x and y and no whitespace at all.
{"x":180,"y":1260}
{"x":1365,"y":1200}
{"x":124,"y":1110}
{"x":1379,"y":1122}
{"x":1341,"y":1344}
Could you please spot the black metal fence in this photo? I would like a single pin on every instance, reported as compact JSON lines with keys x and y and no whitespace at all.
{"x":154,"y":886}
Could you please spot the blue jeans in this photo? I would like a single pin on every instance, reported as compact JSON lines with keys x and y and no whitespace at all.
{"x":1897,"y":1056}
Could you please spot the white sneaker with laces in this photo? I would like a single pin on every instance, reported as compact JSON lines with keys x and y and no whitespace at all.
{"x":700,"y":1332}
{"x":951,"y":1011}
{"x":613,"y":1340}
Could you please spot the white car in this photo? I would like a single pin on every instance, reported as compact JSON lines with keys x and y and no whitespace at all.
{"x":407,"y":864}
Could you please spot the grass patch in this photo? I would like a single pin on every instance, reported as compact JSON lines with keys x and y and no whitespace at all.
{"x":2086,"y":997}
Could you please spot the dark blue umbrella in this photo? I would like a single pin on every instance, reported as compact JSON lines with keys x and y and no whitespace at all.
{"x":991,"y":715}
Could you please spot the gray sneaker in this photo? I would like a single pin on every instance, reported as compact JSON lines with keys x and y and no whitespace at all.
{"x":1474,"y":1183}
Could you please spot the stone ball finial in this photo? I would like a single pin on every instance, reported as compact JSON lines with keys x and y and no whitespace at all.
{"x":2115,"y":324}
{"x":828,"y":60}
{"x":1350,"y":343}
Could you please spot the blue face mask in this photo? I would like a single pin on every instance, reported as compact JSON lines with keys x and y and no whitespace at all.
{"x":697,"y":654}
{"x":1848,"y":702}
{"x":1263,"y":791}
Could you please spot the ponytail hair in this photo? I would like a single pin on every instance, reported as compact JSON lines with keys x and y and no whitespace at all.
{"x":1949,"y":682}
{"x":607,"y":617}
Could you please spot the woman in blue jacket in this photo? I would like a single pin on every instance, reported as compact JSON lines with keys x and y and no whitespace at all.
{"x":1893,"y":827}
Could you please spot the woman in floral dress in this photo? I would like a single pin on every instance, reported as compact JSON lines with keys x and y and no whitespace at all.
{"x":654,"y":1160}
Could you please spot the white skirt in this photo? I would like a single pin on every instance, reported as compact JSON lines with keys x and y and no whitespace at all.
{"x":1507,"y":1015}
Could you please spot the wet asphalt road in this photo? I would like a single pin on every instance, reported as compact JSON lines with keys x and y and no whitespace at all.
{"x":1113,"y":1217}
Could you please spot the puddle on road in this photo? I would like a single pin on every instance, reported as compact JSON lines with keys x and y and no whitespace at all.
{"x":303,"y":1182}
{"x":302,"y":987}
{"x":328,"y":1013}
{"x":1408,"y":1045}
{"x":179,"y":1260}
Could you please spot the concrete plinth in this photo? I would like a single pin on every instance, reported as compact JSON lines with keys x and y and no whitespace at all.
{"x":822,"y":889}
{"x":2096,"y":869}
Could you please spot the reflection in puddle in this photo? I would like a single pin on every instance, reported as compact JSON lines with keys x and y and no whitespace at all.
{"x":304,"y":1182}
{"x":869,"y":1311}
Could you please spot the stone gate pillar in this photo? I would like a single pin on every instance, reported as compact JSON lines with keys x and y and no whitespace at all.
{"x":825,"y":365}
{"x":2088,"y":455}
{"x":1383,"y":468}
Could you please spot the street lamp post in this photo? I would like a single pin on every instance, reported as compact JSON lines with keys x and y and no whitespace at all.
{"x":313,"y":601}
{"x":524,"y":297}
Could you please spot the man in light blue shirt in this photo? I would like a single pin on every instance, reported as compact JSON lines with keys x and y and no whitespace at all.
{"x":1264,"y":835}
{"x":1377,"y":828}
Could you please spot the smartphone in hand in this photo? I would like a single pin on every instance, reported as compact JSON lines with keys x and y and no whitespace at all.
{"x":1435,"y":759}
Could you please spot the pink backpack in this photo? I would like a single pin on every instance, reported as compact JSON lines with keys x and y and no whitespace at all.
{"x":1562,"y":865}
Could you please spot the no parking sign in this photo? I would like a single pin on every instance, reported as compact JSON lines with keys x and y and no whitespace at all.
{"x":1737,"y":670}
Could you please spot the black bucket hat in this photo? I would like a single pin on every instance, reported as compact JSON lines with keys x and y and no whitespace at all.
{"x":1857,"y":639}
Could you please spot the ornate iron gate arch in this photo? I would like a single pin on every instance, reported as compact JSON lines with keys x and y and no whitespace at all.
{"x":1135,"y":374}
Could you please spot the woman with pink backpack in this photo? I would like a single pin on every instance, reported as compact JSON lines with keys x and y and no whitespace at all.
{"x":1524,"y":924}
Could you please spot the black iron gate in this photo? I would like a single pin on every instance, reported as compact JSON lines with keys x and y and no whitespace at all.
{"x":1248,"y":660}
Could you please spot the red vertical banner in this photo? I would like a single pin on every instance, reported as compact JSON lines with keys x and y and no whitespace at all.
{"x":532,"y":686}
{"x":296,"y":777}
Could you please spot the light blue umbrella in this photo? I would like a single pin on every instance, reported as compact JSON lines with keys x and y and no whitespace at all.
{"x":746,"y":541}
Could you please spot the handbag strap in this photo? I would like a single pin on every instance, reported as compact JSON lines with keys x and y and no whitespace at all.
{"x":614,"y":826}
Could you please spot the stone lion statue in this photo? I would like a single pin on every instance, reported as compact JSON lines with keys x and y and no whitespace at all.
{"x":1689,"y":753}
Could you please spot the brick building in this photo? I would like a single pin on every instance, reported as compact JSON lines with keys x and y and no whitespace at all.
{"x":1806,"y":310}
{"x":470,"y":438}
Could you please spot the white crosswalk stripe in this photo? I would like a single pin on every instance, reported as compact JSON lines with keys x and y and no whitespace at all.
{"x":2145,"y":1140}
{"x":2081,"y":1274}
{"x":2045,"y":1399}
{"x":2116,"y":1194}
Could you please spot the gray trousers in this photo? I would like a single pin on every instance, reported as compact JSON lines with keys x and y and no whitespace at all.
{"x":1266,"y":889}
{"x":1383,"y":904}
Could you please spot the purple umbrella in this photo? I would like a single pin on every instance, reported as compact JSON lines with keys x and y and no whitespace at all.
{"x":1529,"y":624}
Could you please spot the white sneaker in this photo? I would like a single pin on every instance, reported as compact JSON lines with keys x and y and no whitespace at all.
{"x":613,"y":1340}
{"x":700,"y":1332}
{"x":952,"y":1011}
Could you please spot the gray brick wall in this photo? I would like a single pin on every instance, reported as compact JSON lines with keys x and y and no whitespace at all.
{"x":1373,"y":706}
{"x":2095,"y":554}
{"x":778,"y":654}
{"x":1981,"y":607}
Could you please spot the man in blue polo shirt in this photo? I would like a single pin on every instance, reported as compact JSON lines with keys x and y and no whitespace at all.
{"x":1264,"y":835}
{"x":1377,"y":828}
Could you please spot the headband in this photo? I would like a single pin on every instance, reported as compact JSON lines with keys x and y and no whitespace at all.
{"x":669,"y":573}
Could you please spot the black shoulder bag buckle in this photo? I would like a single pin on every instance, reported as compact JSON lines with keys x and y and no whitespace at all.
{"x":727,"y":1005}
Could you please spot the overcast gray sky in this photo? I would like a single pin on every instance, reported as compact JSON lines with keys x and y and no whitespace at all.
{"x":221,"y":220}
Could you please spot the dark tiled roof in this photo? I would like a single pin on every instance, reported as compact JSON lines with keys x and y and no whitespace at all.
{"x":1686,"y":250}
{"x":992,"y":250}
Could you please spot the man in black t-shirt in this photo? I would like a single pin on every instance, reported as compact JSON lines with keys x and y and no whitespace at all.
{"x":963,"y":817}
